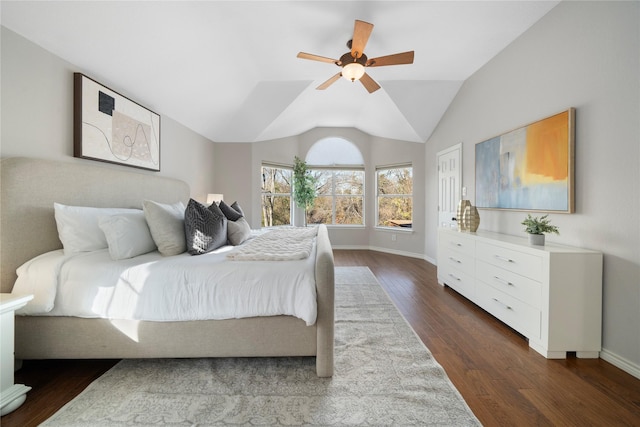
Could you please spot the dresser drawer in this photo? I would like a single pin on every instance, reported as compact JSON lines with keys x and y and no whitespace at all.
{"x":458,"y":242}
{"x":520,"y":287}
{"x":460,"y":261}
{"x":517,"y":262}
{"x":457,"y":280}
{"x":518,"y":315}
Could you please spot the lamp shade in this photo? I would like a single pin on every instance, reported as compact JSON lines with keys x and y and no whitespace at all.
{"x":214,"y":198}
{"x":353,"y":71}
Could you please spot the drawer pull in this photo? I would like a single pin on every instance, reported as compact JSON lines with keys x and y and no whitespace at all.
{"x":501,"y":258}
{"x":508,"y":307}
{"x":457,"y":278}
{"x":455,"y":260}
{"x":504,"y":282}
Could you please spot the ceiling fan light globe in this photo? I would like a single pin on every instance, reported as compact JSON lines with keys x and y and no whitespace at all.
{"x":353,"y":71}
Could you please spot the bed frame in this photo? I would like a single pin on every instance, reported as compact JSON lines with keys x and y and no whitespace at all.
{"x":28,"y":228}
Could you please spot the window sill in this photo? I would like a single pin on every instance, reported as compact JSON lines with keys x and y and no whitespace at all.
{"x":394,"y":229}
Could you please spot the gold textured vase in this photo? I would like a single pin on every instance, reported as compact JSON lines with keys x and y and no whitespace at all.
{"x":462,"y":205}
{"x":471,"y":218}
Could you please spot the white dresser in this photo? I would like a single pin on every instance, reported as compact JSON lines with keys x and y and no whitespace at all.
{"x":551,"y":294}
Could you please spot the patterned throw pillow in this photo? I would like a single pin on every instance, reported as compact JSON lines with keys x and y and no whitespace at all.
{"x":205,"y":228}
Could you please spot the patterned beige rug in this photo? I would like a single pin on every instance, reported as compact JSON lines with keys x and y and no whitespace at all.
{"x":384,"y":375}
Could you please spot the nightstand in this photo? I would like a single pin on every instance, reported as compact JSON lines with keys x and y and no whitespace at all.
{"x":11,"y":395}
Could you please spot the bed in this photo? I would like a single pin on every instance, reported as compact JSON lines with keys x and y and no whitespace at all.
{"x":30,"y":187}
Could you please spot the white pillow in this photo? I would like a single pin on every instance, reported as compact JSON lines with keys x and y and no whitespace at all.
{"x":78,"y":228}
{"x":127,"y":234}
{"x":166,"y":223}
{"x":238,"y":231}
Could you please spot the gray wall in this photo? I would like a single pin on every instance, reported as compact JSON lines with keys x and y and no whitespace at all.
{"x":583,"y":55}
{"x":37,"y":116}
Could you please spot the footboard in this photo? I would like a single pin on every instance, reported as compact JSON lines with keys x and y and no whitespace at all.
{"x":325,"y":287}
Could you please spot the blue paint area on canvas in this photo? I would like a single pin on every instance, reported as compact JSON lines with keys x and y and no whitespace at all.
{"x":552,"y":196}
{"x":488,"y":173}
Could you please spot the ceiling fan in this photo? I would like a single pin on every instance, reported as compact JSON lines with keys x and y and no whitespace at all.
{"x":354,"y":62}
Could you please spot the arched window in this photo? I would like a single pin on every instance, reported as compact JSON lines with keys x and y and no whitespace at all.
{"x":334,"y":151}
{"x":338,"y":167}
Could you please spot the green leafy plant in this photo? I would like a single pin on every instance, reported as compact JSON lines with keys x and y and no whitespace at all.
{"x":535,"y":225}
{"x":304,"y":186}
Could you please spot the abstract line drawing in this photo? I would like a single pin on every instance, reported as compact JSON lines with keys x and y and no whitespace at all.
{"x":109,"y":127}
{"x":530,"y":168}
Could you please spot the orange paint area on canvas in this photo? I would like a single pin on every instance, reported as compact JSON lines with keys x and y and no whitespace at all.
{"x":547,"y":152}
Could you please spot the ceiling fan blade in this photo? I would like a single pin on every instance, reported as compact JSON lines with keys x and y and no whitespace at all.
{"x":395,"y":59}
{"x":313,"y":57}
{"x":369,"y":83}
{"x":361,"y":32}
{"x":329,"y":82}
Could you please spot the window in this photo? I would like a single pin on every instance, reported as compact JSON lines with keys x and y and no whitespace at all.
{"x":340,"y":199}
{"x":395,"y":196}
{"x":338,"y":167}
{"x":276,"y":195}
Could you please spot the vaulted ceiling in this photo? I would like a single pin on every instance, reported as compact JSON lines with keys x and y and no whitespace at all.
{"x":228,"y":69}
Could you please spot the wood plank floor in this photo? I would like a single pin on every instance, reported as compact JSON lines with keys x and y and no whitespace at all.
{"x":503,"y":381}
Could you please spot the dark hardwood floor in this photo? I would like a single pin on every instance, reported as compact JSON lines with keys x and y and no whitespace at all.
{"x":503,"y":381}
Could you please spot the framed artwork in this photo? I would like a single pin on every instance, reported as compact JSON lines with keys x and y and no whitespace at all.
{"x":530,"y":168}
{"x":109,"y":127}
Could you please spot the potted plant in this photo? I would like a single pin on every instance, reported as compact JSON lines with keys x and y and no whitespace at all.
{"x":304,"y":186}
{"x":536,"y":227}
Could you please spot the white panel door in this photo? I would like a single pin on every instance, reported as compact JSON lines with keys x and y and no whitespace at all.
{"x":449,"y":184}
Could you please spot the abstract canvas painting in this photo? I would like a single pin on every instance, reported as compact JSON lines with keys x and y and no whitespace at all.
{"x":111,"y":128}
{"x":530,"y":168}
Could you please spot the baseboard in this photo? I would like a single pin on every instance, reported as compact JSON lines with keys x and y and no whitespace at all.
{"x":621,"y":362}
{"x":378,"y":249}
{"x":351,"y":247}
{"x":397,"y":252}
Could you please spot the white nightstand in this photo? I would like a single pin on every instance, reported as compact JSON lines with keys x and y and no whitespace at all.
{"x":11,"y":395}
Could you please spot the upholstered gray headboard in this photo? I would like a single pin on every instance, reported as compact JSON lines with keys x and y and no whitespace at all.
{"x":31,"y":186}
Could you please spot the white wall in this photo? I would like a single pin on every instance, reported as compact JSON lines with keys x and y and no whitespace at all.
{"x":37,"y":116}
{"x":583,"y":55}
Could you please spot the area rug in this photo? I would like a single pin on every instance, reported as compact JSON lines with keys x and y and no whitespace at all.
{"x":384,"y":375}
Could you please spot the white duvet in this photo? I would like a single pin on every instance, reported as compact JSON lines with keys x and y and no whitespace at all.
{"x":156,"y":288}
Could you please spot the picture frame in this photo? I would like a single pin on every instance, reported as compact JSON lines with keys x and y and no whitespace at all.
{"x":531,"y":168}
{"x":109,"y":127}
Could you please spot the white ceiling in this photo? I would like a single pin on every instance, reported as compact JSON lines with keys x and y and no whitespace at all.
{"x":228,"y":69}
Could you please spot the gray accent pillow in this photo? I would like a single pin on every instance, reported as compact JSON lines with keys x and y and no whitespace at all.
{"x":238,"y":231}
{"x":166,"y":224}
{"x":233,"y":212}
{"x":205,"y":228}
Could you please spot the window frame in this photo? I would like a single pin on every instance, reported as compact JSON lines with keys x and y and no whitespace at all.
{"x":334,"y":196}
{"x":378,"y":195}
{"x":290,"y":194}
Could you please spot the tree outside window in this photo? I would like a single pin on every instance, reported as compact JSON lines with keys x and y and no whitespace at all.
{"x":395,"y":196}
{"x":276,"y":196}
{"x":340,"y":197}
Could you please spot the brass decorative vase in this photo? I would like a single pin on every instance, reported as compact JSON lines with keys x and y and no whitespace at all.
{"x":471,"y":218}
{"x":462,"y":205}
